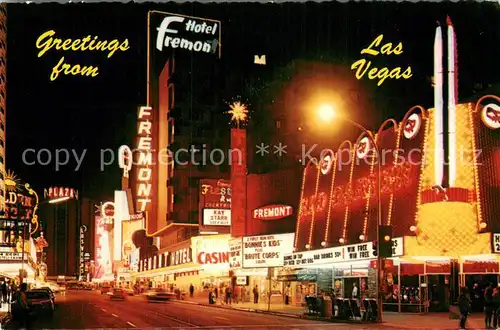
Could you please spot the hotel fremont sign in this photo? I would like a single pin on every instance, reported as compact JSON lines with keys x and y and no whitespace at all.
{"x":189,"y":33}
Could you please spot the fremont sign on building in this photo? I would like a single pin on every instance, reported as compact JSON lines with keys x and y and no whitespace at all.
{"x":188,"y":33}
{"x":144,"y":158}
{"x":272,"y":212}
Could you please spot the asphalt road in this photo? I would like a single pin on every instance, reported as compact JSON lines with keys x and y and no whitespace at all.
{"x":90,"y":309}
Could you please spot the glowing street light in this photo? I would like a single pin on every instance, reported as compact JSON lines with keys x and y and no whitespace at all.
{"x":58,"y":200}
{"x":326,"y":113}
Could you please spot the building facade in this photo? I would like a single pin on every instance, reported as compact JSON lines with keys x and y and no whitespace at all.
{"x":62,"y":223}
{"x":3,"y":96}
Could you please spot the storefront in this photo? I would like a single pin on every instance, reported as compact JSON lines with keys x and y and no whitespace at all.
{"x":255,"y":264}
{"x":172,"y":268}
{"x":211,"y":253}
{"x":347,"y":271}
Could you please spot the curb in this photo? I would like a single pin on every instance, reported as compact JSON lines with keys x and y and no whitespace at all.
{"x":260,"y":311}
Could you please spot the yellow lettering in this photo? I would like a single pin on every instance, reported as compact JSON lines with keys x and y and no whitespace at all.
{"x":407,"y":74}
{"x":46,"y":42}
{"x":90,"y":71}
{"x":66,"y":44}
{"x":395,"y":74}
{"x":65,"y":68}
{"x":382,"y":75}
{"x":399,"y":49}
{"x":113,"y":47}
{"x":362,"y":66}
{"x":375,"y":43}
{"x":75,"y":44}
{"x":359,"y":65}
{"x":45,"y":45}
{"x":55,"y":70}
{"x":124,"y":46}
{"x":372,"y":74}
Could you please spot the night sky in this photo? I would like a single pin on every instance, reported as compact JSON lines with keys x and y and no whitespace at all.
{"x":98,"y":113}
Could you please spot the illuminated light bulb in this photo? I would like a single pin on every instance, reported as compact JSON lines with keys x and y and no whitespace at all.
{"x":308,"y":246}
{"x":482,"y":225}
{"x":413,"y":228}
{"x":326,"y":113}
{"x":323,"y":244}
{"x":341,"y":240}
{"x":361,"y":237}
{"x":387,"y":238}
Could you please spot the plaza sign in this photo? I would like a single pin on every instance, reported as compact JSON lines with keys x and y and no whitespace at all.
{"x":60,"y":192}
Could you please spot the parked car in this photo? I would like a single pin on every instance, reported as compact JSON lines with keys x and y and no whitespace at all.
{"x":40,"y":302}
{"x":160,"y":295}
{"x":117,"y":294}
{"x":105,"y":289}
{"x":49,"y":291}
{"x":129,"y":292}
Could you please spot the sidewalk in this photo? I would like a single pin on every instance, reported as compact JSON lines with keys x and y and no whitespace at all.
{"x":411,"y":321}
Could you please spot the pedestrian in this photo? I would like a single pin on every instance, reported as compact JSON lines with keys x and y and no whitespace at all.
{"x":5,"y":292}
{"x":22,"y":308}
{"x":465,"y":306}
{"x":228,"y":295}
{"x":191,"y":290}
{"x":496,"y":306}
{"x":287,"y":295}
{"x":256,"y":295}
{"x":488,"y":305}
{"x":216,"y":292}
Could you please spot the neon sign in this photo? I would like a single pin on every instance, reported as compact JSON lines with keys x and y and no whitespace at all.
{"x":393,"y":179}
{"x":60,"y":192}
{"x":145,"y":158}
{"x":125,"y":160}
{"x":83,"y":229}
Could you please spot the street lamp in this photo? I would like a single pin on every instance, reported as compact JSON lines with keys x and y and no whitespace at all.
{"x":327,"y":113}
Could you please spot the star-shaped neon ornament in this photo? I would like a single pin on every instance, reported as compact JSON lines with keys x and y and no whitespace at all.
{"x":238,"y":112}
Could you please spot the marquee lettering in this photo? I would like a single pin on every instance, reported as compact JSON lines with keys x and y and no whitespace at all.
{"x":393,"y":179}
{"x":213,"y":258}
{"x":144,"y":158}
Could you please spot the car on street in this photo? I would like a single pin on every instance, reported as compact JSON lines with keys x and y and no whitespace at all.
{"x":160,"y":295}
{"x":129,"y":292}
{"x":49,"y":291}
{"x":40,"y":302}
{"x":117,"y":294}
{"x":105,"y":289}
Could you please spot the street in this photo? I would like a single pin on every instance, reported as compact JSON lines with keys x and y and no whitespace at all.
{"x":90,"y":309}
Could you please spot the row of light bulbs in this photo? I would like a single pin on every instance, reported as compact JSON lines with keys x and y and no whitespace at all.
{"x":413,"y":229}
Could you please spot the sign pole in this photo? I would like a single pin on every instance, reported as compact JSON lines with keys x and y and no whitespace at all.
{"x":269,"y":272}
{"x":21,"y":276}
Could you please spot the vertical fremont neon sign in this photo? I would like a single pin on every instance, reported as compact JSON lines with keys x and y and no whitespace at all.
{"x":144,"y":158}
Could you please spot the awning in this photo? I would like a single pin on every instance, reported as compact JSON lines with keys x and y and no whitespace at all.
{"x":11,"y":269}
{"x":168,"y":270}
